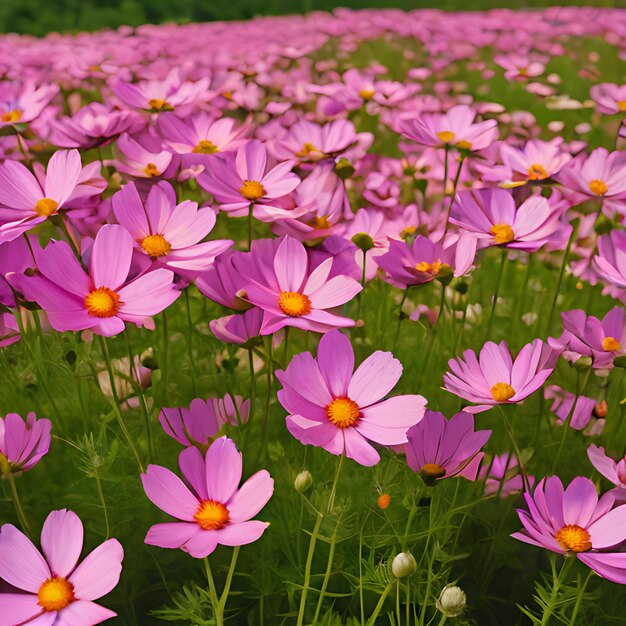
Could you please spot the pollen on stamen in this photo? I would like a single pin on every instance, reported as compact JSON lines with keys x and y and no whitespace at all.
{"x":158,"y":105}
{"x":573,"y":538}
{"x":211,"y":515}
{"x":294,"y":304}
{"x":599,"y":187}
{"x":206,"y":146}
{"x":46,"y":207}
{"x":502,"y":233}
{"x":343,"y":412}
{"x":445,"y":136}
{"x":252,"y":190}
{"x":11,"y":116}
{"x":502,"y":392}
{"x":309,"y":151}
{"x":429,"y":268}
{"x":610,"y":344}
{"x":102,"y":302}
{"x":55,"y":594}
{"x":156,"y":245}
{"x":151,"y":170}
{"x":537,"y":172}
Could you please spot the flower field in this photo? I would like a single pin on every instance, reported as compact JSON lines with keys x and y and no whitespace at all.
{"x":315,"y":320}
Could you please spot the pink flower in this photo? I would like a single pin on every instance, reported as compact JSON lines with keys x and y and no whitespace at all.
{"x":519,"y":67}
{"x":538,"y":160}
{"x":138,"y":160}
{"x":491,"y":216}
{"x":101,"y":299}
{"x":456,"y":128}
{"x":238,"y":181}
{"x":613,"y":471}
{"x":503,"y":470}
{"x":609,"y":97}
{"x":243,"y":329}
{"x":25,"y":202}
{"x":169,"y":234}
{"x":424,"y":260}
{"x":217,"y":512}
{"x":494,"y":378}
{"x":53,"y":589}
{"x":20,"y":104}
{"x":440,"y":448}
{"x":573,"y":522}
{"x":565,"y":403}
{"x":23,"y":443}
{"x":199,"y":424}
{"x":290,"y":294}
{"x":341,"y":410}
{"x":586,"y":335}
{"x":610,"y":263}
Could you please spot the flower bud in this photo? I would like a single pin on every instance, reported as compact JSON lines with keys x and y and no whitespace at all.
{"x":583,"y":362}
{"x":601,"y":409}
{"x":303,"y":481}
{"x":451,"y":601}
{"x":403,"y":565}
{"x":363,"y":241}
{"x":383,"y":501}
{"x":344,"y":169}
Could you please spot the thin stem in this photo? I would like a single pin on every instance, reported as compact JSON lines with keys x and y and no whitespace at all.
{"x":360,"y":296}
{"x":561,"y":274}
{"x":103,"y":503}
{"x":432,"y":334}
{"x":70,"y":239}
{"x":252,"y":383}
{"x":266,"y":412}
{"x":192,"y":361}
{"x":579,"y":599}
{"x":116,"y":403}
{"x":227,"y":584}
{"x":250,"y":211}
{"x":518,"y":453}
{"x":548,"y":611}
{"x":497,"y":291}
{"x":400,"y":315}
{"x":454,"y":187}
{"x":381,"y":602}
{"x":21,"y":516}
{"x":215,"y":602}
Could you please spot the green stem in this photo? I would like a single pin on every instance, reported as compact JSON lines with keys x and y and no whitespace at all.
{"x":553,"y":600}
{"x":561,"y":274}
{"x":103,"y":503}
{"x":509,"y":430}
{"x":215,"y":601}
{"x":192,"y":361}
{"x":252,"y":383}
{"x":432,"y":334}
{"x":229,"y":579}
{"x":381,"y":602}
{"x":250,"y":212}
{"x":579,"y":599}
{"x":497,"y":291}
{"x":454,"y":186}
{"x":360,"y":296}
{"x":400,"y":315}
{"x":21,"y":516}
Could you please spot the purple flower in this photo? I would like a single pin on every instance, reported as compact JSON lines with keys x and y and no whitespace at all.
{"x":22,"y":442}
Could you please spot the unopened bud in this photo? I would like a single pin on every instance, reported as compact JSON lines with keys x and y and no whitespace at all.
{"x":584,"y":362}
{"x":383,"y":501}
{"x":303,"y":481}
{"x":403,"y":565}
{"x":363,"y":241}
{"x":344,"y":169}
{"x":618,"y":361}
{"x":451,"y":601}
{"x":601,"y":409}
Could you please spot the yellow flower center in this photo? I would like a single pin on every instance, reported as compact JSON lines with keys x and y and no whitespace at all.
{"x":433,"y":470}
{"x":445,"y":136}
{"x":502,"y":392}
{"x":156,"y":245}
{"x":464,"y":145}
{"x":610,"y":344}
{"x":151,"y":170}
{"x":156,"y":104}
{"x":408,"y":232}
{"x":46,"y":207}
{"x":367,"y":94}
{"x":252,"y":190}
{"x":598,"y":187}
{"x":502,"y":233}
{"x":573,"y":538}
{"x":621,"y":105}
{"x":211,"y":515}
{"x":55,"y":594}
{"x":12,"y":116}
{"x":294,"y":304}
{"x":537,"y":172}
{"x":429,"y":268}
{"x":102,"y":302}
{"x":321,"y":223}
{"x":309,"y":151}
{"x":342,"y":412}
{"x":205,"y":146}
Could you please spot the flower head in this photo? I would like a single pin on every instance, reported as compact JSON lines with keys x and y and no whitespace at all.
{"x":23,"y":442}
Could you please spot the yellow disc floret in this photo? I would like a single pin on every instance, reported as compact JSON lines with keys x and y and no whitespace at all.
{"x":445,"y":136}
{"x":156,"y":245}
{"x":367,"y":94}
{"x":252,"y":190}
{"x":610,"y":344}
{"x":294,"y":304}
{"x":151,"y":170}
{"x":102,"y":302}
{"x":537,"y":172}
{"x":433,"y":470}
{"x":157,"y":104}
{"x":502,"y":392}
{"x":46,"y":207}
{"x":502,"y":233}
{"x":599,"y":187}
{"x":205,"y":146}
{"x":573,"y":538}
{"x":309,"y":151}
{"x":211,"y":515}
{"x":12,"y":116}
{"x":55,"y":594}
{"x":342,"y":412}
{"x":429,"y":268}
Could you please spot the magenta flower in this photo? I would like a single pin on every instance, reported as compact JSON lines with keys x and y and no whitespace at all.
{"x":217,"y":512}
{"x":424,"y":260}
{"x":565,"y":403}
{"x":53,"y":589}
{"x":25,"y":202}
{"x":22,"y":442}
{"x":574,"y":522}
{"x":293,"y":295}
{"x":341,"y":410}
{"x":238,"y":181}
{"x":503,"y":474}
{"x":20,"y":104}
{"x":609,"y":98}
{"x":613,"y":471}
{"x":519,"y":67}
{"x":198,"y":424}
{"x":101,"y":299}
{"x":239,"y":329}
{"x":456,"y":128}
{"x":439,"y":448}
{"x":138,"y":160}
{"x":494,"y":378}
{"x":610,"y":263}
{"x":491,"y":216}
{"x":538,"y":160}
{"x":169,"y":234}
{"x":586,"y":335}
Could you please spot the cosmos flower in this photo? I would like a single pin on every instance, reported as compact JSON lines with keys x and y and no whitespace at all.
{"x":23,"y":443}
{"x":565,"y":403}
{"x":138,"y":160}
{"x":20,"y":104}
{"x":240,"y":328}
{"x":439,"y":448}
{"x":613,"y":471}
{"x":610,"y":262}
{"x":495,"y":378}
{"x":455,"y":128}
{"x":53,"y":587}
{"x":574,"y":522}
{"x":101,"y":299}
{"x":519,"y":67}
{"x":503,"y":474}
{"x":492,"y":217}
{"x":169,"y":234}
{"x":536,"y":161}
{"x":609,"y":98}
{"x":341,"y":410}
{"x":217,"y":511}
{"x":292,"y":294}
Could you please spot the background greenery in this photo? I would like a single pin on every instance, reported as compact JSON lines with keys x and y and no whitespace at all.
{"x":42,"y":16}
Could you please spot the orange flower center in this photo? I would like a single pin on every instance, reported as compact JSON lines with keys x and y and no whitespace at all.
{"x":445,"y":136}
{"x":12,"y":116}
{"x":342,"y":412}
{"x":46,"y":207}
{"x":610,"y":344}
{"x":151,"y":170}
{"x":408,"y":232}
{"x":252,"y":190}
{"x":502,"y":233}
{"x":598,"y":187}
{"x":384,"y":500}
{"x":205,"y":146}
{"x":55,"y":594}
{"x":309,"y":151}
{"x":367,"y":94}
{"x":211,"y":515}
{"x":464,"y":145}
{"x":537,"y":172}
{"x":156,"y":245}
{"x":433,"y":470}
{"x":573,"y":538}
{"x":102,"y":302}
{"x":429,"y":268}
{"x":502,"y":392}
{"x":621,"y":105}
{"x":321,"y":223}
{"x":156,"y":104}
{"x":294,"y":304}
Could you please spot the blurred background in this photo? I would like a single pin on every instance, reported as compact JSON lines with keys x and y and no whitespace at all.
{"x":39,"y":17}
